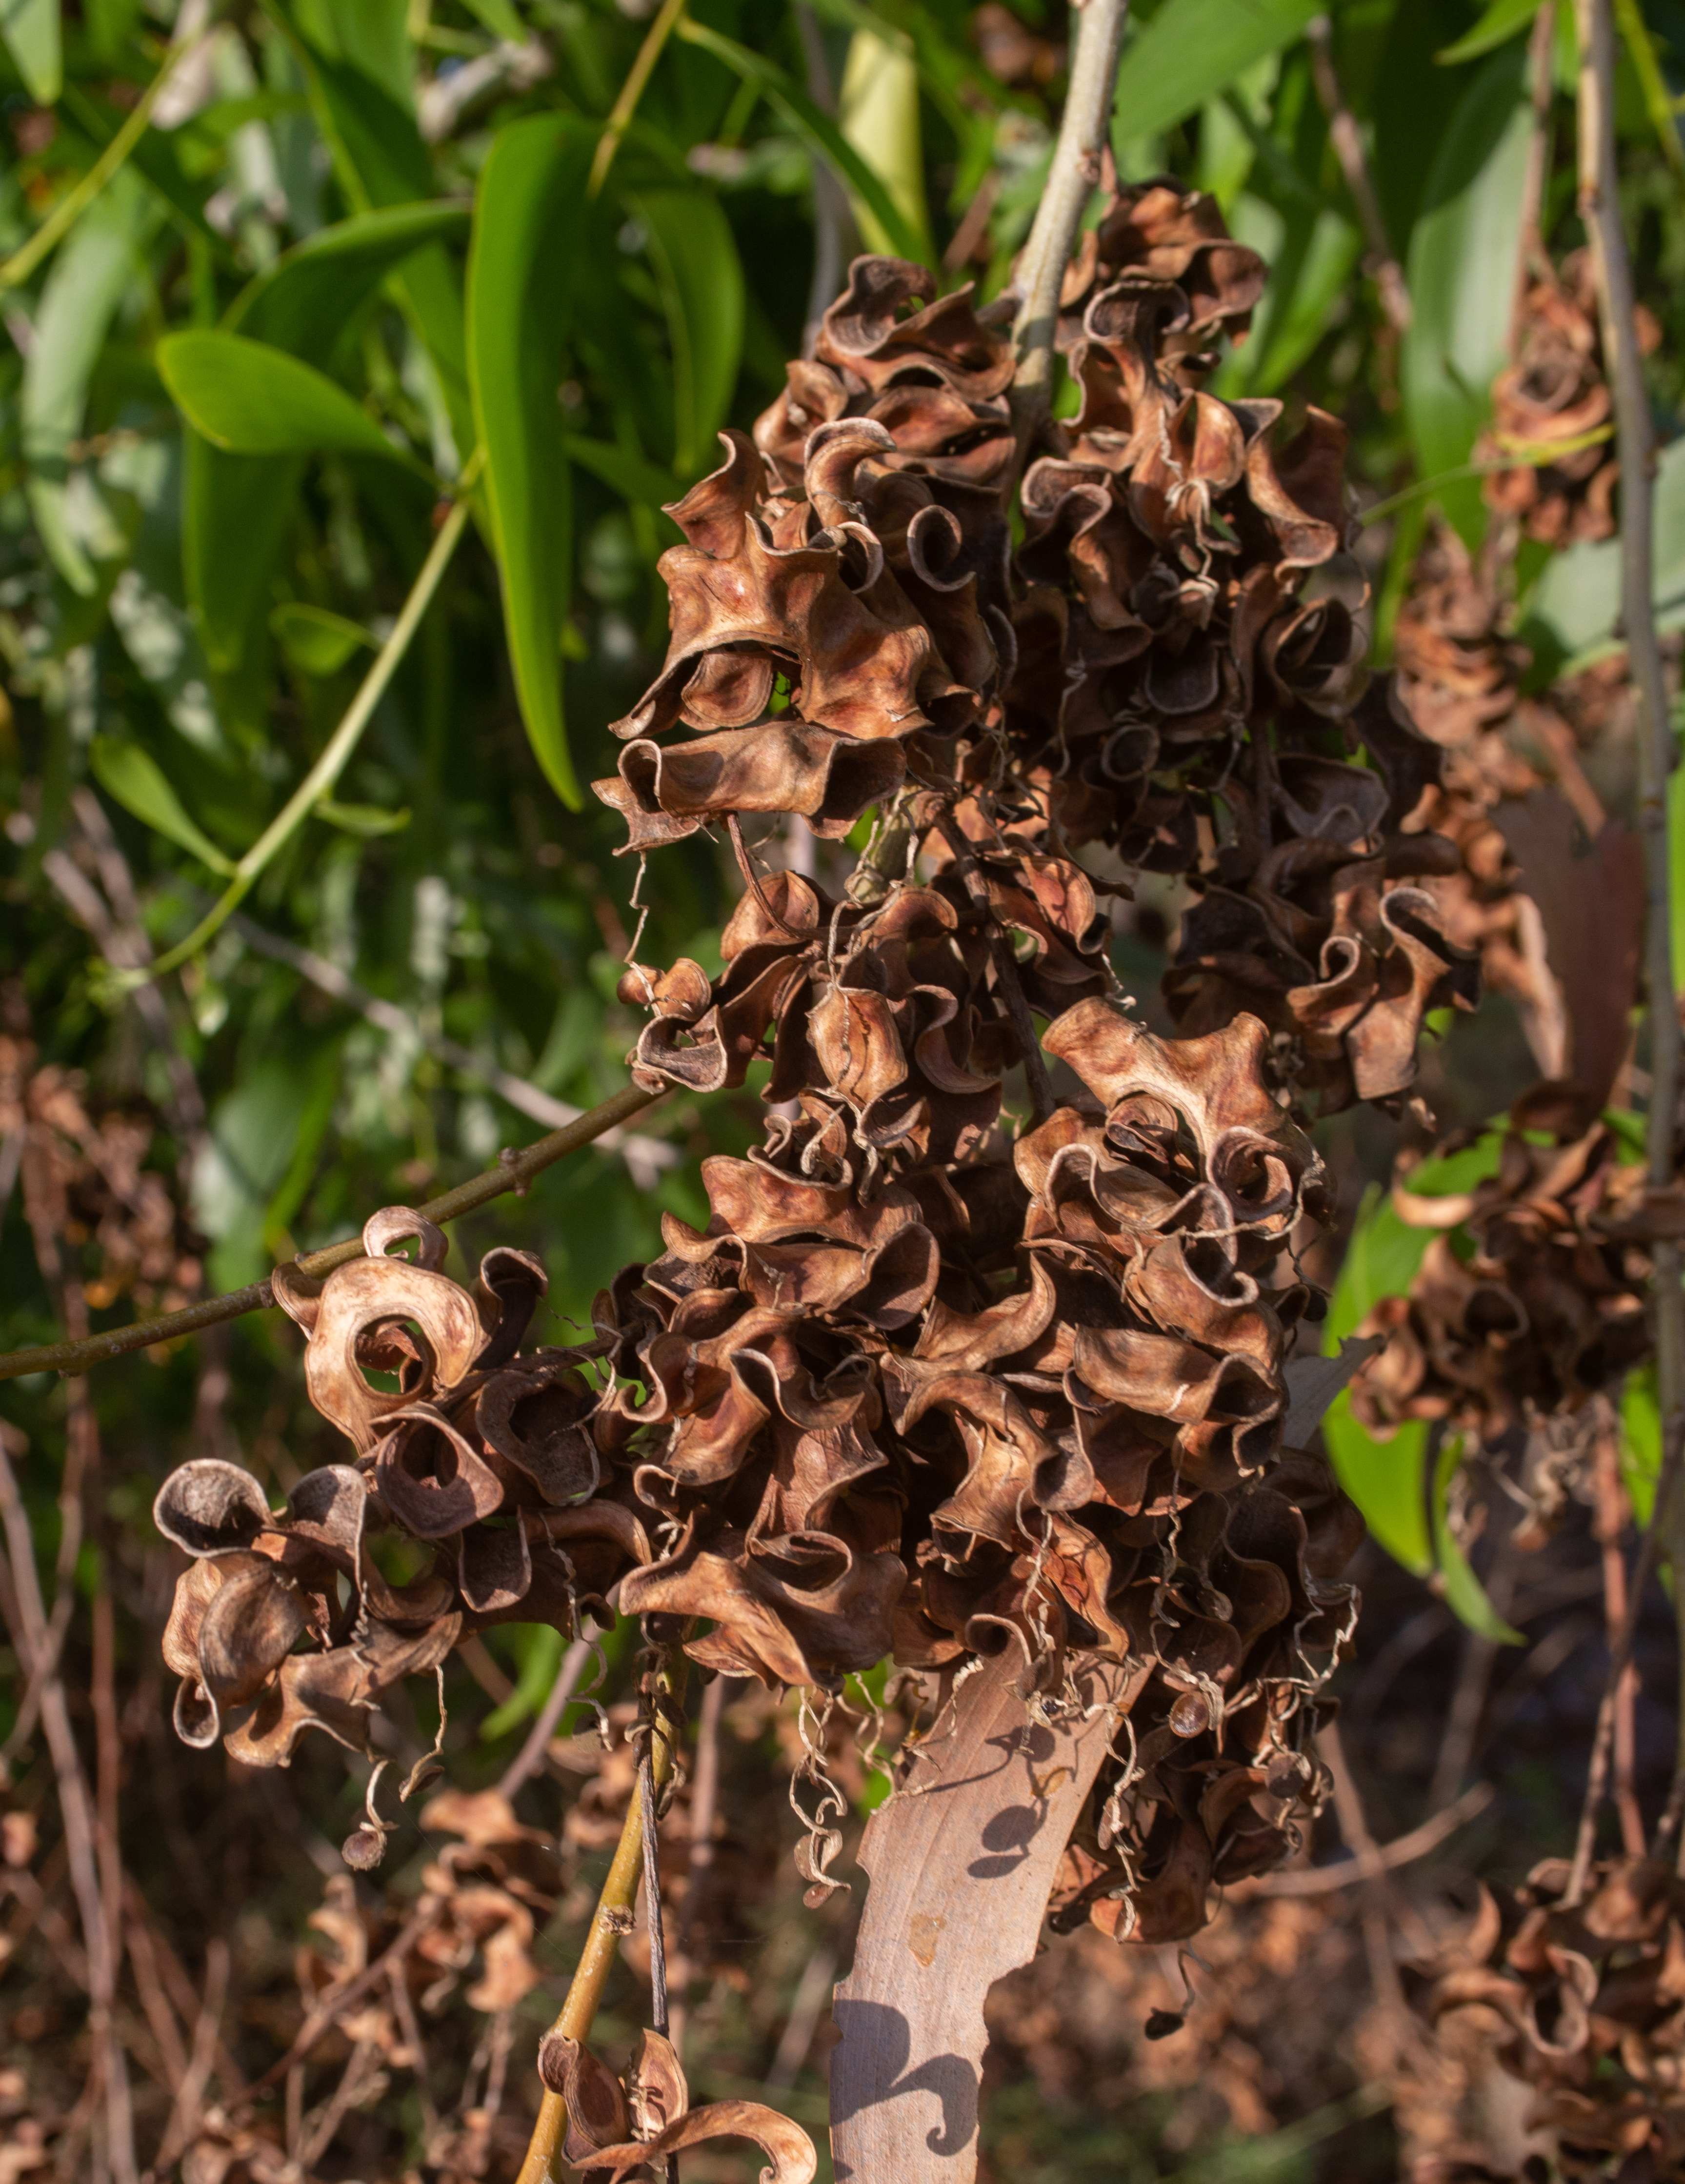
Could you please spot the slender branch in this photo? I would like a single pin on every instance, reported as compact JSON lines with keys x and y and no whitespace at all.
{"x":609,"y":1921}
{"x":76,"y":202}
{"x":1383,"y":266}
{"x":344,"y":740}
{"x":531,"y":1756}
{"x":514,"y":1172}
{"x":1073,"y":175}
{"x":644,"y":1156}
{"x":1601,"y":209}
{"x":620,"y":117}
{"x":1379,"y":1858}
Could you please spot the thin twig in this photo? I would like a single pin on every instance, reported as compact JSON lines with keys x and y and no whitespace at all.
{"x":76,"y":1809}
{"x":644,"y":1156}
{"x":187,"y":2111}
{"x":1072,"y":179}
{"x":1378,"y":1858}
{"x":1610,"y":1521}
{"x":323,"y":2020}
{"x":531,"y":1756}
{"x":705,"y":1791}
{"x":1635,"y":443}
{"x":512,"y":1173}
{"x":620,"y":117}
{"x":1382,"y":265}
{"x":77,"y":200}
{"x":609,"y":1921}
{"x":337,"y":752}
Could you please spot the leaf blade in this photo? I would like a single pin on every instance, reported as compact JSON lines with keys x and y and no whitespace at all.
{"x":248,"y":398}
{"x":1191,"y":50}
{"x":132,"y":777}
{"x":518,"y":310}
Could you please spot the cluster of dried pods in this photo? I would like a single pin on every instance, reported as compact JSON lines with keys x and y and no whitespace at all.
{"x":1583,"y":1998}
{"x":929,"y":1386}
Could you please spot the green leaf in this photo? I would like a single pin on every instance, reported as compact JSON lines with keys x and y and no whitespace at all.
{"x":1501,"y":21}
{"x":500,"y":19}
{"x":1318,"y":254}
{"x":528,"y":212}
{"x":304,"y":303}
{"x":628,"y":475}
{"x":1387,"y":1479}
{"x":878,"y":113}
{"x":540,"y":1657}
{"x":1578,"y":597}
{"x":132,"y":777}
{"x":701,"y":278}
{"x":821,"y":132}
{"x":30,"y":30}
{"x":1464,"y":1592}
{"x":236,"y":511}
{"x":382,"y":161}
{"x":1462,"y":280}
{"x":1191,"y":50}
{"x":251,"y":399}
{"x":1641,"y":1442}
{"x":364,"y":819}
{"x":316,"y":640}
{"x":88,"y":280}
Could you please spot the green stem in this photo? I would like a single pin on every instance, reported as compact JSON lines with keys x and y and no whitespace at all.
{"x":70,"y":208}
{"x":631,"y":92}
{"x":344,"y":740}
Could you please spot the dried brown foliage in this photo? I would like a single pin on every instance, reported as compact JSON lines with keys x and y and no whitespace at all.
{"x":1585,"y":2002}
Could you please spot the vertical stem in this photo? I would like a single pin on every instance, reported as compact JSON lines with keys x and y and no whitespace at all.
{"x":1601,"y":209}
{"x":1383,"y":266}
{"x":602,"y":1943}
{"x":1073,"y":174}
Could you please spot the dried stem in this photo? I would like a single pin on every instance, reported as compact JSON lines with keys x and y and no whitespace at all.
{"x":1382,"y":265}
{"x":1073,"y":175}
{"x":1601,"y":209}
{"x":531,"y":1756}
{"x":81,"y":1835}
{"x":705,"y":1791}
{"x":1610,"y":1523}
{"x":514,"y":1172}
{"x":610,"y":1921}
{"x":643,"y":1156}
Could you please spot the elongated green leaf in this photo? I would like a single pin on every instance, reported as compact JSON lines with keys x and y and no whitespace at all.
{"x":878,"y":113}
{"x":1500,"y":23}
{"x":1193,"y":49}
{"x":628,"y":475}
{"x":132,"y":777}
{"x":819,"y":130}
{"x":530,"y":205}
{"x":88,"y":281}
{"x":30,"y":30}
{"x":382,"y":161}
{"x":363,"y":819}
{"x":236,"y":512}
{"x":1641,"y":1442}
{"x":701,"y":279}
{"x":1462,"y":282}
{"x":1578,"y":597}
{"x":316,"y":641}
{"x":1463,"y":1592}
{"x":251,"y":399}
{"x":369,"y":35}
{"x":304,"y":303}
{"x":1387,"y":1479}
{"x":1318,"y":254}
